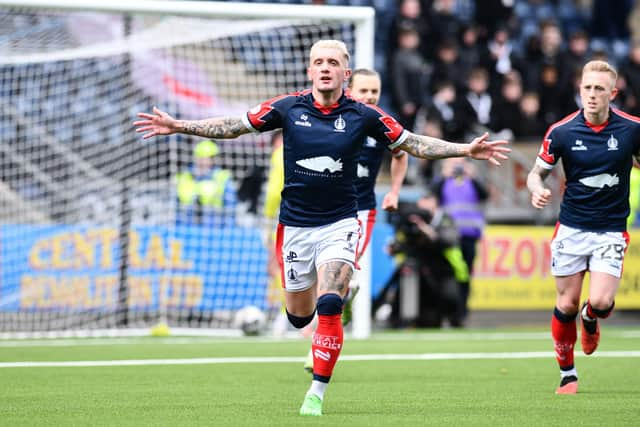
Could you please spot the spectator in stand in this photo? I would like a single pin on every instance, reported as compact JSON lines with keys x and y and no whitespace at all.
{"x":630,"y":71}
{"x":409,"y":12}
{"x":506,"y":114}
{"x":490,"y":13}
{"x":500,"y":58}
{"x":410,"y":76}
{"x":448,"y":66}
{"x":444,"y":23}
{"x":470,"y":51}
{"x":531,"y":125}
{"x":446,"y":109}
{"x":477,"y":103}
{"x":548,"y":52}
{"x":578,"y":52}
{"x":554,"y":97}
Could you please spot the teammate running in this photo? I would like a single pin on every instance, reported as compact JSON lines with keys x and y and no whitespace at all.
{"x":597,"y":145}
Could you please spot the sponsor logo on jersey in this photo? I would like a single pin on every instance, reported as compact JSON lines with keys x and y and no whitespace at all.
{"x":612,"y":143}
{"x":339,"y":125}
{"x":579,"y":146}
{"x":326,"y":341}
{"x":363,"y":171}
{"x":324,"y":355}
{"x":304,"y":121}
{"x":321,"y":164}
{"x":601,"y":181}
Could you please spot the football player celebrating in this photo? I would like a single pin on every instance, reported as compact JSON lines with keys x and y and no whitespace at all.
{"x":317,"y":234}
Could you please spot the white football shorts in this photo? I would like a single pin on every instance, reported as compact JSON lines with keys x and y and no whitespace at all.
{"x":573,"y":251}
{"x":303,"y":249}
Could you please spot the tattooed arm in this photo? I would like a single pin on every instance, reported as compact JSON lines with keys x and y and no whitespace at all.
{"x":220,"y":127}
{"x":161,"y":123}
{"x":540,"y":195}
{"x":427,"y":147}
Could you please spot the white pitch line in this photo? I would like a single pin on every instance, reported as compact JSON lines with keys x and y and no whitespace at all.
{"x":345,"y":358}
{"x":397,"y":337}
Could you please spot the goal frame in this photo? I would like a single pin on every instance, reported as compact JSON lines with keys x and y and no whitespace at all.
{"x":363,"y":57}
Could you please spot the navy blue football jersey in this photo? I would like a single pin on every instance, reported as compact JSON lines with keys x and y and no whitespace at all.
{"x":321,"y":149}
{"x":369,"y":164}
{"x":597,"y":161}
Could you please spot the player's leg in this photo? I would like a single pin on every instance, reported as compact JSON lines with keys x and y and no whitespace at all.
{"x":602,"y":290}
{"x":333,"y":280}
{"x":569,"y":252}
{"x":605,"y":265}
{"x":336,"y":251}
{"x":564,"y":330}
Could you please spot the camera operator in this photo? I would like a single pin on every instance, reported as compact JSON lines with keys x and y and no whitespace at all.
{"x":426,"y":239}
{"x":461,"y":194}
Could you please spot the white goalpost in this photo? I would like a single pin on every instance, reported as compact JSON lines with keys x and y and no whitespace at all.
{"x":93,"y":237}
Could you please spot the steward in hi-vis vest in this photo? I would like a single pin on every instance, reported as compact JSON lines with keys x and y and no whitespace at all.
{"x":206,"y":194}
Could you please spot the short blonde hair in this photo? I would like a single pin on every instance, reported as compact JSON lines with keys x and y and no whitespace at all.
{"x":602,"y":67}
{"x":331,"y":44}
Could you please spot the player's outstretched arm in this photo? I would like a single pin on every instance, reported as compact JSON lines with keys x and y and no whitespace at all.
{"x":428,"y":147}
{"x":540,"y":195}
{"x":399,"y":166}
{"x":161,"y":123}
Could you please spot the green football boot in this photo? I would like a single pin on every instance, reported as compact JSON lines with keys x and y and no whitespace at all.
{"x":312,"y":406}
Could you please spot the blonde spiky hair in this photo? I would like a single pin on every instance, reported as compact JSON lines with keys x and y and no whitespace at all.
{"x":331,"y":44}
{"x":602,"y":67}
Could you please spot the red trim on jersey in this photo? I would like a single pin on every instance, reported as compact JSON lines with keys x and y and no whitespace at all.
{"x":626,"y":115}
{"x":544,"y":149}
{"x":544,"y":152}
{"x":371,"y":220}
{"x":325,"y":110}
{"x":555,"y":230}
{"x":395,"y":128}
{"x":596,"y":128}
{"x":279,"y":243}
{"x":256,"y":114}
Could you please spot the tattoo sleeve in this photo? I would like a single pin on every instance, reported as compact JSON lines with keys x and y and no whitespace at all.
{"x":220,"y":127}
{"x":335,"y":276}
{"x":536,"y":177}
{"x":427,"y":147}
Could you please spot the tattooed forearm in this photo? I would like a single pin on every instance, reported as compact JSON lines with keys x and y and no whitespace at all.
{"x":535,"y":179}
{"x":427,"y":147}
{"x":222,"y":127}
{"x":334,"y":276}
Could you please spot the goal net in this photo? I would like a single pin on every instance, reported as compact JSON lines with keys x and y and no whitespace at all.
{"x":96,"y":233}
